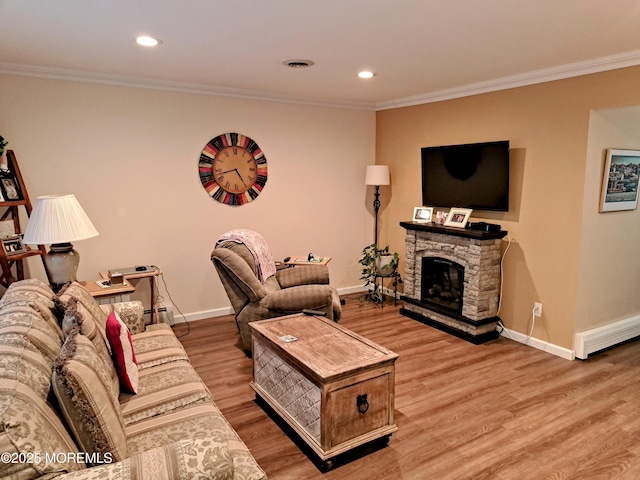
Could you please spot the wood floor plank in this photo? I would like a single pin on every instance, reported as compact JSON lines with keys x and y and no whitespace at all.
{"x":500,"y":410}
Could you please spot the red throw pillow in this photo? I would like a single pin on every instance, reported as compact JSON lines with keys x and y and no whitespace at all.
{"x":124,"y":357}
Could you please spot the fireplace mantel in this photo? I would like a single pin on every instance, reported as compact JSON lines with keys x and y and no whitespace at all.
{"x":479,"y":254}
{"x":456,"y":232}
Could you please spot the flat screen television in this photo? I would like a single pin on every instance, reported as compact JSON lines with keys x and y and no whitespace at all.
{"x":468,"y":176}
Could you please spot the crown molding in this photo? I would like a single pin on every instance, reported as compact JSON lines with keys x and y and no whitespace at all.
{"x":183,"y":87}
{"x":623,"y":60}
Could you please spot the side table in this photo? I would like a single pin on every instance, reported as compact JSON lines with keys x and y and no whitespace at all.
{"x":100,"y":292}
{"x":149,"y":273}
{"x":303,"y":260}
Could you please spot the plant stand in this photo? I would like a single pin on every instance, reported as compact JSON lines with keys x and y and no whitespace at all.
{"x":396,"y":277}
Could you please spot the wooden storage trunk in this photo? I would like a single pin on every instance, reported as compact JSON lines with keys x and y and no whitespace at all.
{"x":334,"y":388}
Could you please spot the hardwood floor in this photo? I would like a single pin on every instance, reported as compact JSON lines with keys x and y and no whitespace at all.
{"x":500,"y":410}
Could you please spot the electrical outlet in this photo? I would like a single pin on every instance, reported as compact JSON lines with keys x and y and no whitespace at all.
{"x":537,"y":309}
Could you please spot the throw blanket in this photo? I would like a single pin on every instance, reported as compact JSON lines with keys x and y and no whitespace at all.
{"x":265,"y":265}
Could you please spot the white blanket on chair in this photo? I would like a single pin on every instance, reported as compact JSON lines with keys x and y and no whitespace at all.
{"x":265,"y":265}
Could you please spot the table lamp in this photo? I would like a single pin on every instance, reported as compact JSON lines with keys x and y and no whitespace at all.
{"x":59,"y":220}
{"x":377,"y":175}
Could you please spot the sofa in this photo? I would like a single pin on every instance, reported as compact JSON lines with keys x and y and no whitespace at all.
{"x":67,"y":412}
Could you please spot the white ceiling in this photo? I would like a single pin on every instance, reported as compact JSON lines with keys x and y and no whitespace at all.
{"x":421,"y":50}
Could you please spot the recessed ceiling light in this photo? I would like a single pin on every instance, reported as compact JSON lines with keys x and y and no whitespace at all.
{"x":298,"y":63}
{"x":147,"y":41}
{"x":366,"y":74}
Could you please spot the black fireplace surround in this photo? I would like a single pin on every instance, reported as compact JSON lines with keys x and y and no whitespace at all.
{"x":442,"y":283}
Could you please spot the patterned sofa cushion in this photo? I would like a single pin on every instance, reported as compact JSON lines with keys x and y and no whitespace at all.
{"x":198,"y":422}
{"x":86,"y":306}
{"x":77,"y":315}
{"x":22,"y":319}
{"x":83,"y":389}
{"x":31,"y":432}
{"x":131,"y":313}
{"x":156,"y":346}
{"x":21,"y":361}
{"x":37,"y":294}
{"x":164,"y":388}
{"x":86,"y":301}
{"x":199,"y":458}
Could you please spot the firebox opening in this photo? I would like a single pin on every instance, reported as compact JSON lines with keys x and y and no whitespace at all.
{"x":442,"y":283}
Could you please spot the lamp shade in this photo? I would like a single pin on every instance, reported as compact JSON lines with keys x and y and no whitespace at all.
{"x":58,"y":219}
{"x":377,"y":175}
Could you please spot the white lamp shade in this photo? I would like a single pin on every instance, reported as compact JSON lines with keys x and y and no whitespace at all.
{"x":58,"y":219}
{"x":377,"y":175}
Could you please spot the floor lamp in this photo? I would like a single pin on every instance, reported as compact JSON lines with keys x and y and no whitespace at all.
{"x":59,"y":220}
{"x":377,"y":175}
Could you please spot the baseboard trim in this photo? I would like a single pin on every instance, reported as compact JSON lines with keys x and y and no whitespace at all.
{"x":220,"y":312}
{"x":539,"y":344}
{"x":356,"y":289}
{"x":597,"y":339}
{"x":202,"y":315}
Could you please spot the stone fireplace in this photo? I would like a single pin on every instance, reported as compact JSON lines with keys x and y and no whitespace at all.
{"x":452,"y":279}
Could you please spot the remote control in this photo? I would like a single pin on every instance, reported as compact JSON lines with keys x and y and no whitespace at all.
{"x":318,"y":313}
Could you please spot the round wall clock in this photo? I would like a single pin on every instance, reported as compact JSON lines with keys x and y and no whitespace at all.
{"x":233,"y":169}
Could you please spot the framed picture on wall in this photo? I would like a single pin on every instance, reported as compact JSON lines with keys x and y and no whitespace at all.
{"x":423,"y":214}
{"x":620,"y":180}
{"x":458,"y":217}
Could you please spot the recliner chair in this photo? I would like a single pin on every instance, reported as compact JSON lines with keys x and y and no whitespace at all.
{"x":287,"y":292}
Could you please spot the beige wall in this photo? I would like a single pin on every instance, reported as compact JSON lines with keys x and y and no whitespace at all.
{"x":548,"y":126}
{"x":130,"y":155}
{"x":609,"y":270}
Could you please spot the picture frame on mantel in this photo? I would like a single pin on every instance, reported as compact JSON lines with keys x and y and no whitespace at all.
{"x":620,"y":180}
{"x":423,"y":214}
{"x":458,"y":217}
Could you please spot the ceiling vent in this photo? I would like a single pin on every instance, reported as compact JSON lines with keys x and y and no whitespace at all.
{"x":298,"y":63}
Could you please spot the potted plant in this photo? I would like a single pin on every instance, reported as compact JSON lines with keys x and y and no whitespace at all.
{"x":378,"y":262}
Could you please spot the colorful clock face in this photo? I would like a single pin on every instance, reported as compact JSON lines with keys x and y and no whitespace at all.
{"x":233,"y":169}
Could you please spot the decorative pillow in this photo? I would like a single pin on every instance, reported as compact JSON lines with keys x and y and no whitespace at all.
{"x":131,"y":313}
{"x":124,"y":357}
{"x":87,"y":307}
{"x":76,"y":315}
{"x":92,"y":412}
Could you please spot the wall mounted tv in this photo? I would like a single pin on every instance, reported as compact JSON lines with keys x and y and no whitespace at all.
{"x":468,"y":176}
